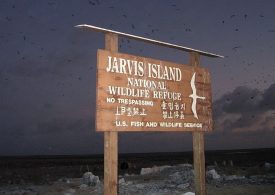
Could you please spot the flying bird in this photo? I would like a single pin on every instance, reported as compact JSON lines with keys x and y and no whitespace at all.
{"x":236,"y":47}
{"x":194,"y":96}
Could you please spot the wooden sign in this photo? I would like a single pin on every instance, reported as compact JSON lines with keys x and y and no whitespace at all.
{"x":143,"y":94}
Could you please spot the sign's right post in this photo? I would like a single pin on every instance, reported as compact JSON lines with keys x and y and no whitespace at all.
{"x":198,"y":144}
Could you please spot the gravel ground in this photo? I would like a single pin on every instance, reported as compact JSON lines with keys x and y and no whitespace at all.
{"x":158,"y":180}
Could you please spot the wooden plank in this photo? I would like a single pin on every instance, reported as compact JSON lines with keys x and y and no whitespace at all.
{"x":198,"y":146}
{"x":144,"y":39}
{"x":132,"y":112}
{"x":110,"y":138}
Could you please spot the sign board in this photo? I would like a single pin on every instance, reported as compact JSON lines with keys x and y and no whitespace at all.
{"x":143,"y":94}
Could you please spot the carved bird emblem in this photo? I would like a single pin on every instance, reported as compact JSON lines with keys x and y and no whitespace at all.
{"x":194,"y":96}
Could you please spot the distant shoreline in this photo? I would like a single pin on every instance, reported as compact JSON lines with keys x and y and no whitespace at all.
{"x":228,"y":151}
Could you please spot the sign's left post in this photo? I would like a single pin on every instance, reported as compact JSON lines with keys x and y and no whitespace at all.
{"x":111,"y":137}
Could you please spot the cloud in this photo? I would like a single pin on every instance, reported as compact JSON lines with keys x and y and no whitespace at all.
{"x":269,"y":98}
{"x":243,"y":118}
{"x":245,"y":109}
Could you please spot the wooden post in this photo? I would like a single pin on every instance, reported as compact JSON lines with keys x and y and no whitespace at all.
{"x":110,"y":138}
{"x":110,"y":163}
{"x":198,"y":145}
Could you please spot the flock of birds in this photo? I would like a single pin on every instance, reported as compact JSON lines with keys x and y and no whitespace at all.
{"x":150,"y":30}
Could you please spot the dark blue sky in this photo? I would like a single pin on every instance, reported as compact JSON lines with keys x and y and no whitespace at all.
{"x":47,"y":70}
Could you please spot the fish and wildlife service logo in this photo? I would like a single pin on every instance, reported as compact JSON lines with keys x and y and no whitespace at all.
{"x":194,"y":96}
